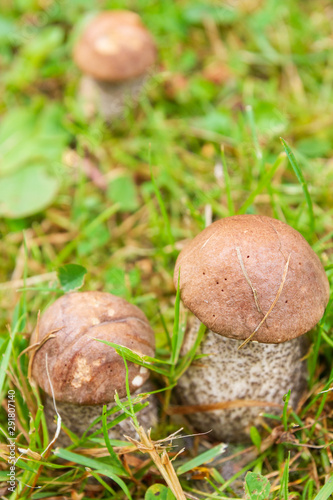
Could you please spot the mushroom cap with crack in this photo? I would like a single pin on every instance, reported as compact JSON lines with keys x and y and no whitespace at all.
{"x":83,"y":370}
{"x":232,"y":273}
{"x":115,"y":46}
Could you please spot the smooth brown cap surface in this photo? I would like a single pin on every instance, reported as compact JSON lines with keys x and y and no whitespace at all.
{"x":214,"y":287}
{"x":115,"y":46}
{"x":82,"y":370}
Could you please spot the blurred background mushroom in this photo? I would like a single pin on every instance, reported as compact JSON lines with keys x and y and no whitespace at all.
{"x":85,"y":373}
{"x":115,"y":53}
{"x":248,"y":277}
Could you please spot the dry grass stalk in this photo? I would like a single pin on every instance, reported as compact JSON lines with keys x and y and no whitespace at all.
{"x":224,"y":405}
{"x":36,"y":346}
{"x":161,"y":459}
{"x":48,"y":449}
{"x":255,"y":295}
{"x":33,"y":280}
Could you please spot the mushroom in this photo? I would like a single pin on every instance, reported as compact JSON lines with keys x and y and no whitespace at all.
{"x":115,"y":52}
{"x":246,"y":274}
{"x":83,"y":372}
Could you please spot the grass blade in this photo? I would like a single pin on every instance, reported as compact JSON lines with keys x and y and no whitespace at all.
{"x":262,"y":184}
{"x":7,"y":352}
{"x":113,"y":454}
{"x":135,"y":358}
{"x":178,"y":333}
{"x":191,"y":354}
{"x":205,"y":457}
{"x":285,"y":479}
{"x":250,"y":119}
{"x":113,"y":422}
{"x":164,"y":212}
{"x":231,"y":206}
{"x":301,"y":180}
{"x":85,"y":232}
{"x":109,"y":470}
{"x":285,"y":410}
{"x":326,"y":490}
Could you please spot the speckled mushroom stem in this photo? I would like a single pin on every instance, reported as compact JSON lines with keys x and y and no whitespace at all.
{"x":257,"y":372}
{"x":78,"y":418}
{"x":249,"y":276}
{"x":110,"y":99}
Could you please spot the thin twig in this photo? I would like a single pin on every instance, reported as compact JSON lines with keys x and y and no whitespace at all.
{"x":47,"y":450}
{"x":272,"y":306}
{"x":255,"y":295}
{"x":36,"y":346}
{"x":58,"y":428}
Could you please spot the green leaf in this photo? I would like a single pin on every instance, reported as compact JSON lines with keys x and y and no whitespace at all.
{"x":159,"y":492}
{"x":269,"y":119}
{"x":205,"y":457}
{"x":43,"y":44}
{"x":7,"y":28}
{"x":32,"y":141}
{"x":256,"y":486}
{"x":215,"y":121}
{"x":116,"y":283}
{"x":99,"y":237}
{"x":27,"y":192}
{"x":314,"y":147}
{"x":32,"y":135}
{"x":71,"y":277}
{"x":122,"y":191}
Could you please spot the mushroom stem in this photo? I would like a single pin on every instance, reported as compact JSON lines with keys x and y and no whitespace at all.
{"x":78,"y":418}
{"x":260,"y":372}
{"x":109,"y":99}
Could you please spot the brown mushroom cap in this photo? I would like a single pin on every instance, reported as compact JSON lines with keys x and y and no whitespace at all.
{"x":82,"y":370}
{"x":115,"y":46}
{"x":214,"y":287}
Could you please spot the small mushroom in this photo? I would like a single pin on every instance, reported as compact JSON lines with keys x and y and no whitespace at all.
{"x":85,"y":373}
{"x":115,"y":52}
{"x":246,"y":274}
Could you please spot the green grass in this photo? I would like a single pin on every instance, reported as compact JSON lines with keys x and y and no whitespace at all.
{"x":232,"y":78}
